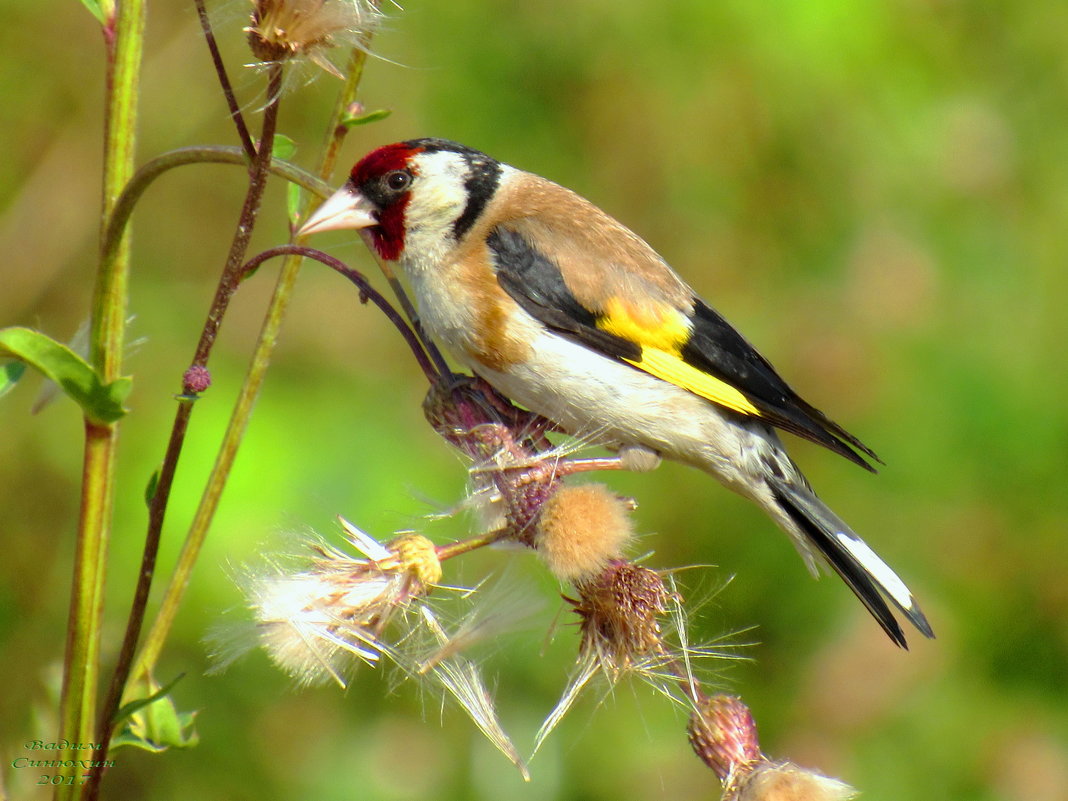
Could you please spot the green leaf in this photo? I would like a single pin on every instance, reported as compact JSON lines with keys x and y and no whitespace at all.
{"x":102,"y":403}
{"x":352,"y":121}
{"x":283,"y":147}
{"x":127,"y":710}
{"x":96,"y":9}
{"x":293,"y":203}
{"x":154,"y":724}
{"x":150,"y":490}
{"x":10,"y":373}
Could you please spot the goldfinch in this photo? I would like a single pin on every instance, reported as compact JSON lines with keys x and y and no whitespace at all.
{"x":564,"y":310}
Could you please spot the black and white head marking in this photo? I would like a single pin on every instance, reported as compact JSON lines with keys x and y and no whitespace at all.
{"x":481,"y":175}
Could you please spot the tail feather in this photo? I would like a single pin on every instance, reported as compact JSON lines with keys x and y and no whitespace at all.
{"x":870,"y":578}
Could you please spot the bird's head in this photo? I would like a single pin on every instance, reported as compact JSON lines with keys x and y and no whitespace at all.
{"x":420,"y":195}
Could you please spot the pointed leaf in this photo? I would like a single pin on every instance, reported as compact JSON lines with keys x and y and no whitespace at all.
{"x":96,"y":9}
{"x":150,"y":492}
{"x":102,"y":403}
{"x":283,"y":147}
{"x":352,"y":120}
{"x":10,"y":373}
{"x":128,"y":709}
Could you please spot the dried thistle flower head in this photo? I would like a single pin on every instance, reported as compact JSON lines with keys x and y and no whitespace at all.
{"x":580,"y":529}
{"x":286,"y":29}
{"x":620,"y":610}
{"x":514,"y":467}
{"x":634,"y":623}
{"x":724,"y":735}
{"x":319,"y":622}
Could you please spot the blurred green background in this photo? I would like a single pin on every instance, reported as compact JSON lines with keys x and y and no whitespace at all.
{"x":875,"y":192}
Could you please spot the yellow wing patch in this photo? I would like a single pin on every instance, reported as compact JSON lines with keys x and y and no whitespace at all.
{"x":655,"y":326}
{"x":662,"y":331}
{"x":671,"y":367}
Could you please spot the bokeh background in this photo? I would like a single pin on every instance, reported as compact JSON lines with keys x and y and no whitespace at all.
{"x":875,"y":192}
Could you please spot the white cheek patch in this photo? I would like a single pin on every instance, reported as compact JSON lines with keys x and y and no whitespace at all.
{"x":879,"y":570}
{"x":438,"y":197}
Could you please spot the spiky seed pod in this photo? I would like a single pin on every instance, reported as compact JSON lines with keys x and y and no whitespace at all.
{"x":580,"y":529}
{"x":514,"y":465}
{"x":620,"y":609}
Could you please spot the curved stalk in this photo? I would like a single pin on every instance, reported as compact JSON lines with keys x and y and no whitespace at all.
{"x":205,"y":154}
{"x":367,"y":292}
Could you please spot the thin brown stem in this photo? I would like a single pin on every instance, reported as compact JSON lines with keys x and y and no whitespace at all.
{"x":367,"y":292}
{"x":412,"y":314}
{"x":224,"y":81}
{"x":232,"y":272}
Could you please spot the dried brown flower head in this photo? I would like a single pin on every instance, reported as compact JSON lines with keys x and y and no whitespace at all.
{"x":287,"y":29}
{"x":620,"y":610}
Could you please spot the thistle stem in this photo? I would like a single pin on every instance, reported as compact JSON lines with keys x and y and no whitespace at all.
{"x":367,"y":292}
{"x":204,"y":154}
{"x":461,"y":547}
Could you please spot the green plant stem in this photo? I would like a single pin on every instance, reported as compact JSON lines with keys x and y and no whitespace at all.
{"x":242,"y":411}
{"x":335,"y":131}
{"x":123,"y":35}
{"x":228,"y":282}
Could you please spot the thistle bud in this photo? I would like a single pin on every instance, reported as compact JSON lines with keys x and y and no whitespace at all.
{"x":724,"y":736}
{"x":196,"y":380}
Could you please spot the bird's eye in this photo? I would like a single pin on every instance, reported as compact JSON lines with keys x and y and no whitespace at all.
{"x":397,"y":180}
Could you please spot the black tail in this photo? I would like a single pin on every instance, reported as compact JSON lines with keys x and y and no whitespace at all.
{"x":870,"y":578}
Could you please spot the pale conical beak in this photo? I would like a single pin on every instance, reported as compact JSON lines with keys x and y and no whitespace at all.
{"x":346,"y":208}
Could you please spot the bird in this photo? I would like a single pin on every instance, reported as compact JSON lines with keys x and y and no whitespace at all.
{"x":566,"y":311}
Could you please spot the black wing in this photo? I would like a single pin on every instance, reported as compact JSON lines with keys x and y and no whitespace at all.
{"x":717,"y":348}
